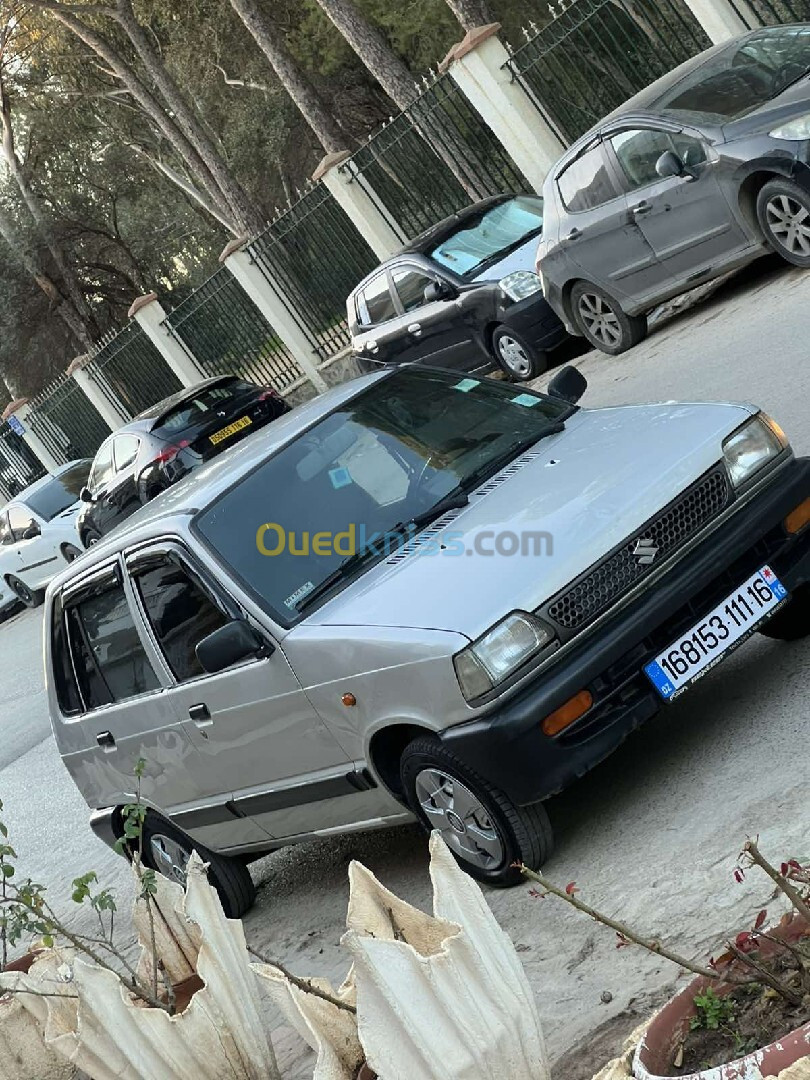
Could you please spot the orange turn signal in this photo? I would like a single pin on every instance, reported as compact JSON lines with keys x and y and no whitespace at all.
{"x":561,"y":718}
{"x":798,"y":518}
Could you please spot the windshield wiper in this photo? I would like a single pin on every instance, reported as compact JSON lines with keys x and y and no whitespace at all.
{"x":489,"y":468}
{"x":453,"y":500}
{"x":504,"y":253}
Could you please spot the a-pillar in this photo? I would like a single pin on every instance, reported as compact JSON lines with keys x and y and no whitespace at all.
{"x":724,"y":19}
{"x":148,"y":313}
{"x":364,"y":208}
{"x":22,"y":413}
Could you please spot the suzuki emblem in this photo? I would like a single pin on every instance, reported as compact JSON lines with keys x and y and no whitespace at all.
{"x":645,"y":552}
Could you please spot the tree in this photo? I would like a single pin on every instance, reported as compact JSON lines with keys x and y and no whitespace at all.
{"x":471,"y":13}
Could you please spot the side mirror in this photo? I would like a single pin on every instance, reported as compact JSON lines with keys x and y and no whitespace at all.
{"x":84,"y":495}
{"x":32,"y":532}
{"x":669,"y":164}
{"x":569,"y":384}
{"x":439,"y":290}
{"x":235,"y":641}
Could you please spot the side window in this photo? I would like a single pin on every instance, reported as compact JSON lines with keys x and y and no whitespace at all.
{"x":19,"y":519}
{"x":5,"y":531}
{"x":125,"y":449}
{"x":410,"y":286}
{"x":638,"y":151}
{"x":181,"y":614}
{"x":108,"y":657}
{"x":587,"y":182}
{"x":379,"y":304}
{"x":102,"y":470}
{"x":67,"y":691}
{"x":690,"y":150}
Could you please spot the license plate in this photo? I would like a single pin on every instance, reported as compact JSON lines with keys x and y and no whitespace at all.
{"x":231,"y":429}
{"x":711,"y":639}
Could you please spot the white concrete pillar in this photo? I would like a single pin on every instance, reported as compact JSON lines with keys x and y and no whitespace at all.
{"x":366,"y":212}
{"x":22,"y":413}
{"x":722,"y":19}
{"x":148,"y":313}
{"x":267,"y":295}
{"x":478,"y":67}
{"x":112,"y":416}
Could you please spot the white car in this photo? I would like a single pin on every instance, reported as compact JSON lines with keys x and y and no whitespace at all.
{"x":38,"y":533}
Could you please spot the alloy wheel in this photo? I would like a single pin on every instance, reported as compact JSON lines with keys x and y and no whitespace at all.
{"x":789,"y":223}
{"x":463,"y":821}
{"x":169,"y":857}
{"x":514,"y":356}
{"x":599,"y":319}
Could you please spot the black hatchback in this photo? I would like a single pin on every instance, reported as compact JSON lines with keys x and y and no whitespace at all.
{"x":166,"y":442}
{"x":462,"y":295}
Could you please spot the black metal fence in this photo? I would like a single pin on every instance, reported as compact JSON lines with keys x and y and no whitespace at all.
{"x":773,"y":12}
{"x":432,"y":160}
{"x":130,"y":372}
{"x":317,"y":256}
{"x":598,"y":53}
{"x":228,"y":335}
{"x":19,"y":466}
{"x":66,"y":422}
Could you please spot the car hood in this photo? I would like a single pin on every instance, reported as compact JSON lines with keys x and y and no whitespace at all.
{"x":585,"y":490}
{"x":521,"y":258}
{"x":70,"y":513}
{"x":793,"y":102}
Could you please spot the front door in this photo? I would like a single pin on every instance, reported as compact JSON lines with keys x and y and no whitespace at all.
{"x":432,"y":332}
{"x":265,"y":756}
{"x":36,"y":559}
{"x":687,"y":221}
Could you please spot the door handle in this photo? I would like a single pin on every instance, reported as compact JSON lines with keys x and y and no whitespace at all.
{"x":200,"y":715}
{"x":643,"y":208}
{"x":416,"y":329}
{"x":106,"y":740}
{"x":574,"y":234}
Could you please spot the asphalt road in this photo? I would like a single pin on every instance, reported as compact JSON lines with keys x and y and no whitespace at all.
{"x":651,"y":835}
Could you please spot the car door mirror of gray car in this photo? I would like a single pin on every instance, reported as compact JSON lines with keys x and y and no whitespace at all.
{"x":439,"y":290}
{"x":230,"y":644}
{"x":32,"y":531}
{"x":569,"y":384}
{"x":669,"y":164}
{"x":84,"y":495}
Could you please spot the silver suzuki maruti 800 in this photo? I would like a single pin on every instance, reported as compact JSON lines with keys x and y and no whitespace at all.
{"x":420,"y":594}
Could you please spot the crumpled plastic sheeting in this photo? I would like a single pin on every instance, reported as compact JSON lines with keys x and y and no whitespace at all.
{"x":442,"y":997}
{"x":221,"y":1034}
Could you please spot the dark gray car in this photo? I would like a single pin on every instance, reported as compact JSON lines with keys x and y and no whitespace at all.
{"x":700,"y":173}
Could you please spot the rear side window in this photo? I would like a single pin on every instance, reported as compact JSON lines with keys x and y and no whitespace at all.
{"x":5,"y":532}
{"x":102,"y":470}
{"x":108,"y":658}
{"x":126,"y":450}
{"x":376,"y":305}
{"x":181,"y":614}
{"x":19,"y":519}
{"x":587,"y":182}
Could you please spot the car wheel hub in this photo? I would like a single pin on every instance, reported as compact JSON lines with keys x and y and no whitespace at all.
{"x":463,"y":821}
{"x":514,"y":355}
{"x":600,"y":319}
{"x":789,"y":222}
{"x":170,"y":858}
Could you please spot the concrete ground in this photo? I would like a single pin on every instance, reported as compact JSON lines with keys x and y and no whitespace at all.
{"x":651,"y":836}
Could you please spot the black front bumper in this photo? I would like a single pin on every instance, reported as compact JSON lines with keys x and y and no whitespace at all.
{"x":536,"y":321}
{"x":508,"y":747}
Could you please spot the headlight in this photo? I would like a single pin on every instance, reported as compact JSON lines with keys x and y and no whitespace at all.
{"x":520,"y":284}
{"x":502,"y":650}
{"x":797,"y":130}
{"x":752,"y":446}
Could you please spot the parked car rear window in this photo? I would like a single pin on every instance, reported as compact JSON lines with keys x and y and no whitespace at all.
{"x":387,"y":455}
{"x":490,"y":237}
{"x":587,"y":183}
{"x":108,"y":657}
{"x":194,"y":410}
{"x":60,"y":492}
{"x":376,"y":303}
{"x":181,"y":614}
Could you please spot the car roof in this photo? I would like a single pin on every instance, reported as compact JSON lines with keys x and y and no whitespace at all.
{"x":38,"y":485}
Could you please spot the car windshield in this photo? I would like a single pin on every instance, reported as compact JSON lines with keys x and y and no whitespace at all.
{"x":194,"y":410}
{"x":387,"y":456}
{"x":60,"y":492}
{"x":743,"y":77}
{"x":484,"y":240}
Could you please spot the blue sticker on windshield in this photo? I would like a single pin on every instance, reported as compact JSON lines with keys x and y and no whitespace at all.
{"x":292,"y":601}
{"x":528,"y":401}
{"x":466,"y":385}
{"x":340,"y":477}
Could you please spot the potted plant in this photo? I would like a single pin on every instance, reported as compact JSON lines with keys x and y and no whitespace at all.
{"x":746,"y":1014}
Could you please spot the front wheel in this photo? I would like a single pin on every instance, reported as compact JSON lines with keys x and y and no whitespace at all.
{"x":791,"y":622}
{"x":168,"y":850}
{"x":521,"y":361}
{"x":30,"y":597}
{"x":90,"y":537}
{"x":602,"y":321}
{"x":486,"y":832}
{"x":783,"y":211}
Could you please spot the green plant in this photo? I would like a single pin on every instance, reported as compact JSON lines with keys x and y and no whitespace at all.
{"x":713,"y":1011}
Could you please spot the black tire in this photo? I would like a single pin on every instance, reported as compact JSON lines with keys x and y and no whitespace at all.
{"x":32,"y":598}
{"x":230,"y":877}
{"x":524,"y":832}
{"x":70,"y":552}
{"x":792,"y":622}
{"x":602,"y":321}
{"x":90,"y":537}
{"x":516,"y":357}
{"x":779,"y":204}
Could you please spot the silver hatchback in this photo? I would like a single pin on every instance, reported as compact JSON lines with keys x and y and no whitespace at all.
{"x":422,"y":594}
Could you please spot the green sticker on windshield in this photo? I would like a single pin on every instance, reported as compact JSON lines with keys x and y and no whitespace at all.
{"x":466,"y":385}
{"x":528,"y":401}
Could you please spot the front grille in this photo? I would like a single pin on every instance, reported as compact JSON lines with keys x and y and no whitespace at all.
{"x":604,"y":583}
